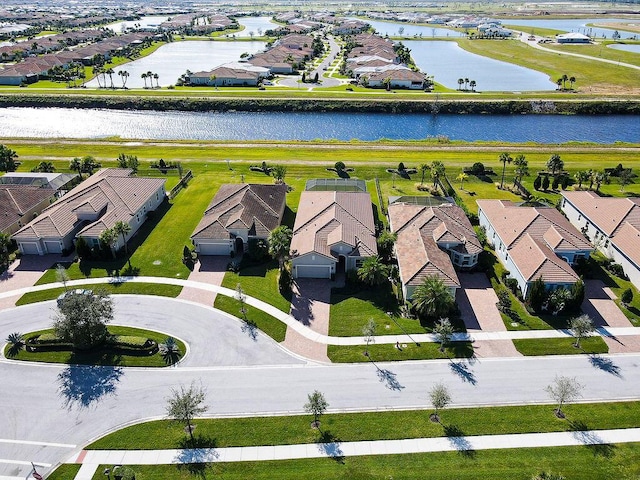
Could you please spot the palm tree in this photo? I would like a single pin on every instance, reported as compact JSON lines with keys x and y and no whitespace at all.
{"x":599,"y":178}
{"x":150,"y":77}
{"x":109,"y":71}
{"x":462,"y":177}
{"x":572,"y":80}
{"x":472,"y":84}
{"x":373,"y":272}
{"x":109,"y":239}
{"x":432,"y":298}
{"x":97,"y":70}
{"x":76,"y":166}
{"x":504,"y":158}
{"x":144,"y":77}
{"x":89,"y":164}
{"x":555,"y":163}
{"x":437,"y":170}
{"x":279,"y":243}
{"x":460,"y":82}
{"x":466,"y":83}
{"x":522,"y":168}
{"x":582,"y":176}
{"x":559,"y":83}
{"x":156,"y":77}
{"x":565,"y":78}
{"x":123,"y":229}
{"x":423,"y":169}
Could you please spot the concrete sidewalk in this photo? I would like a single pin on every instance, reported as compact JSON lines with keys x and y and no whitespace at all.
{"x":91,"y":459}
{"x":308,"y":333}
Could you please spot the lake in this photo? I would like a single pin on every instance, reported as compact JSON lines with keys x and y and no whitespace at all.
{"x":173,"y":59}
{"x":245,"y":126}
{"x":575,"y":25}
{"x":447,"y":62}
{"x":151,"y":21}
{"x":391,"y":29}
{"x":626,"y":48}
{"x":255,"y":25}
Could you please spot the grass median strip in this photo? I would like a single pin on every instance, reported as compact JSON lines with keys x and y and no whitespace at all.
{"x":560,"y":346}
{"x":265,"y":322}
{"x":390,"y":353}
{"x":348,"y":427}
{"x":578,"y":463}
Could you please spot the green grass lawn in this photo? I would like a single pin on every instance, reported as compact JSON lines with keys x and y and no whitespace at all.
{"x":66,"y":471}
{"x":560,"y":346}
{"x":382,"y":425}
{"x":577,"y":463}
{"x":114,"y":289}
{"x":407,"y":351}
{"x":101,"y":357}
{"x":265,"y":322}
{"x":261,"y":282}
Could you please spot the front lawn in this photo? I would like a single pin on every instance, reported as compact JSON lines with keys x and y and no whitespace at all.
{"x":103,"y":356}
{"x":560,"y":346}
{"x":262,"y":320}
{"x":261,"y":282}
{"x":407,"y":351}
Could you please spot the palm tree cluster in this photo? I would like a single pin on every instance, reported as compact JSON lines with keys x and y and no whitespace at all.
{"x":562,"y":82}
{"x":151,"y":76}
{"x":467,"y":83}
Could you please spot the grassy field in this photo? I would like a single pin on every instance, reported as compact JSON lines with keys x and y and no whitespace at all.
{"x":265,"y":322}
{"x":381,"y":425}
{"x":101,"y":357}
{"x":560,"y":346}
{"x":111,"y":288}
{"x":578,"y":463}
{"x":407,"y":351}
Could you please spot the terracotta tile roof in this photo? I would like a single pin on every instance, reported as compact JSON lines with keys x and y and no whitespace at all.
{"x":606,"y":213}
{"x":627,"y":240}
{"x":118,"y":193}
{"x":419,"y":230}
{"x":17,"y":200}
{"x":534,"y":259}
{"x":327,"y":218}
{"x":243,"y":206}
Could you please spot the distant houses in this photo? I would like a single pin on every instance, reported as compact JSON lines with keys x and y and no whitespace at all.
{"x":572,"y":37}
{"x":533,"y":242}
{"x":231,"y":75}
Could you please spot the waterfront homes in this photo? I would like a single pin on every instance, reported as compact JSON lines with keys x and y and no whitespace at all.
{"x":287,"y":54}
{"x":432,"y":240}
{"x":333,"y":232}
{"x":611,"y":224}
{"x":237,"y":214}
{"x":533,"y":242}
{"x":394,"y":78}
{"x":237,"y":74}
{"x":108,"y":196}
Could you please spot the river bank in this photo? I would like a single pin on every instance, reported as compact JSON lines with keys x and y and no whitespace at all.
{"x":430,"y":105}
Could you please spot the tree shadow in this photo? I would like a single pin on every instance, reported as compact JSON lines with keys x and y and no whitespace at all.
{"x":457,"y":439}
{"x":14,"y":349}
{"x":604,"y":364}
{"x":462,"y":371}
{"x":83,"y":385}
{"x":387,"y":378}
{"x":195,"y":456}
{"x":591,"y":439}
{"x":251,"y":329}
{"x":329,"y":445}
{"x":289,"y":217}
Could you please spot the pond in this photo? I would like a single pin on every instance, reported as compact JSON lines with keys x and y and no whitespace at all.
{"x":151,"y":21}
{"x":257,"y":25}
{"x":626,"y":48}
{"x":410,"y":30}
{"x":173,"y":59}
{"x":579,"y":25}
{"x":245,"y":126}
{"x":447,"y":62}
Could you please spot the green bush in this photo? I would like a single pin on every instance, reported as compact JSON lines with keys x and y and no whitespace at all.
{"x":627,"y":296}
{"x":130,"y":341}
{"x":477,"y":168}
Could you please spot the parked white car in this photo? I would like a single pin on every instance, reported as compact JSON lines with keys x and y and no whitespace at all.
{"x":77,"y":291}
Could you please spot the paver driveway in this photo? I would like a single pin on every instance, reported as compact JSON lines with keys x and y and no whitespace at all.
{"x":25,"y":272}
{"x":209,"y":269}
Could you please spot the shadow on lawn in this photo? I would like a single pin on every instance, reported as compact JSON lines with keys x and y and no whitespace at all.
{"x":591,"y":439}
{"x":329,"y":444}
{"x":195,"y":456}
{"x":457,"y":439}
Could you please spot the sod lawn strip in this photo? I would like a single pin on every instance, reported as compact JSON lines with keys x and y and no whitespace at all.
{"x":262,"y":320}
{"x":598,"y":462}
{"x":382,"y":425}
{"x":407,"y":351}
{"x":101,"y":356}
{"x":261,"y":282}
{"x":560,"y":346}
{"x":66,"y":471}
{"x":157,"y":289}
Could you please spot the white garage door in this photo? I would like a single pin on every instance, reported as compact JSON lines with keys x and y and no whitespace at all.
{"x":213,"y":248}
{"x":30,"y":248}
{"x":52,"y":247}
{"x":313,"y":271}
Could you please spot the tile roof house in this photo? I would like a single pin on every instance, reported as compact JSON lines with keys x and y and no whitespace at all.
{"x":108,"y":196}
{"x":533,"y":242}
{"x":20,"y":203}
{"x":432,"y":240}
{"x":238,"y":213}
{"x":333,"y":231}
{"x":611,"y":224}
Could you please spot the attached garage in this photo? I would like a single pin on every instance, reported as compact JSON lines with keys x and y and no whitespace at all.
{"x":312,"y":271}
{"x":214,"y":248}
{"x":52,"y":246}
{"x":29,"y":248}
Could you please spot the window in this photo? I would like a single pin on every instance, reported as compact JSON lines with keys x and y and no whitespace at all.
{"x":579,"y":217}
{"x":359,"y":262}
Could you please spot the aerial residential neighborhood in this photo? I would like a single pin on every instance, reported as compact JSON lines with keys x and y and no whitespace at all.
{"x":319,"y":241}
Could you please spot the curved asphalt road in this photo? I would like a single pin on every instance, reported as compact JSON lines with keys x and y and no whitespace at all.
{"x":58,"y":404}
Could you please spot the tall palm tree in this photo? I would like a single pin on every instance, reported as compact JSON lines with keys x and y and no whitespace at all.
{"x":150,"y":77}
{"x":279,"y":242}
{"x":472,"y":84}
{"x":555,"y":163}
{"x":156,"y":77}
{"x":466,"y":83}
{"x":437,"y":170}
{"x":76,"y":166}
{"x":373,"y":272}
{"x":432,"y":298}
{"x":599,"y":178}
{"x":144,"y":77}
{"x":109,"y":71}
{"x":423,"y":169}
{"x":522,"y":168}
{"x":125,"y":77}
{"x":97,"y":70}
{"x":460,"y":82}
{"x":572,"y":80}
{"x":123,"y":229}
{"x":582,"y":176}
{"x":462,"y":177}
{"x":565,"y":78}
{"x":504,"y":158}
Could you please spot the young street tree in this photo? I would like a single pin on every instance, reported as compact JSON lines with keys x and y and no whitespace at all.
{"x":440,"y":398}
{"x":242,"y":299}
{"x":443,"y":330}
{"x":581,"y":327}
{"x":82,"y":320}
{"x":62,"y":276}
{"x":316,"y":406}
{"x":185,"y":404}
{"x":369,"y":334}
{"x":564,"y":390}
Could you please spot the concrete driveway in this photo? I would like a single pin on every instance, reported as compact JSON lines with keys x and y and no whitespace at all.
{"x":25,"y":272}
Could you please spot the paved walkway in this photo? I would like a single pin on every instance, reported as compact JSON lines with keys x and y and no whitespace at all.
{"x":91,"y":459}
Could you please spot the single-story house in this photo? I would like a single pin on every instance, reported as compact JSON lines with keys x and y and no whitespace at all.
{"x":21,"y":203}
{"x":572,"y":37}
{"x":231,"y":75}
{"x":403,"y":78}
{"x":108,"y":196}
{"x":432,"y":240}
{"x":533,"y":242}
{"x":238,"y":213}
{"x":611,"y":224}
{"x":333,"y":232}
